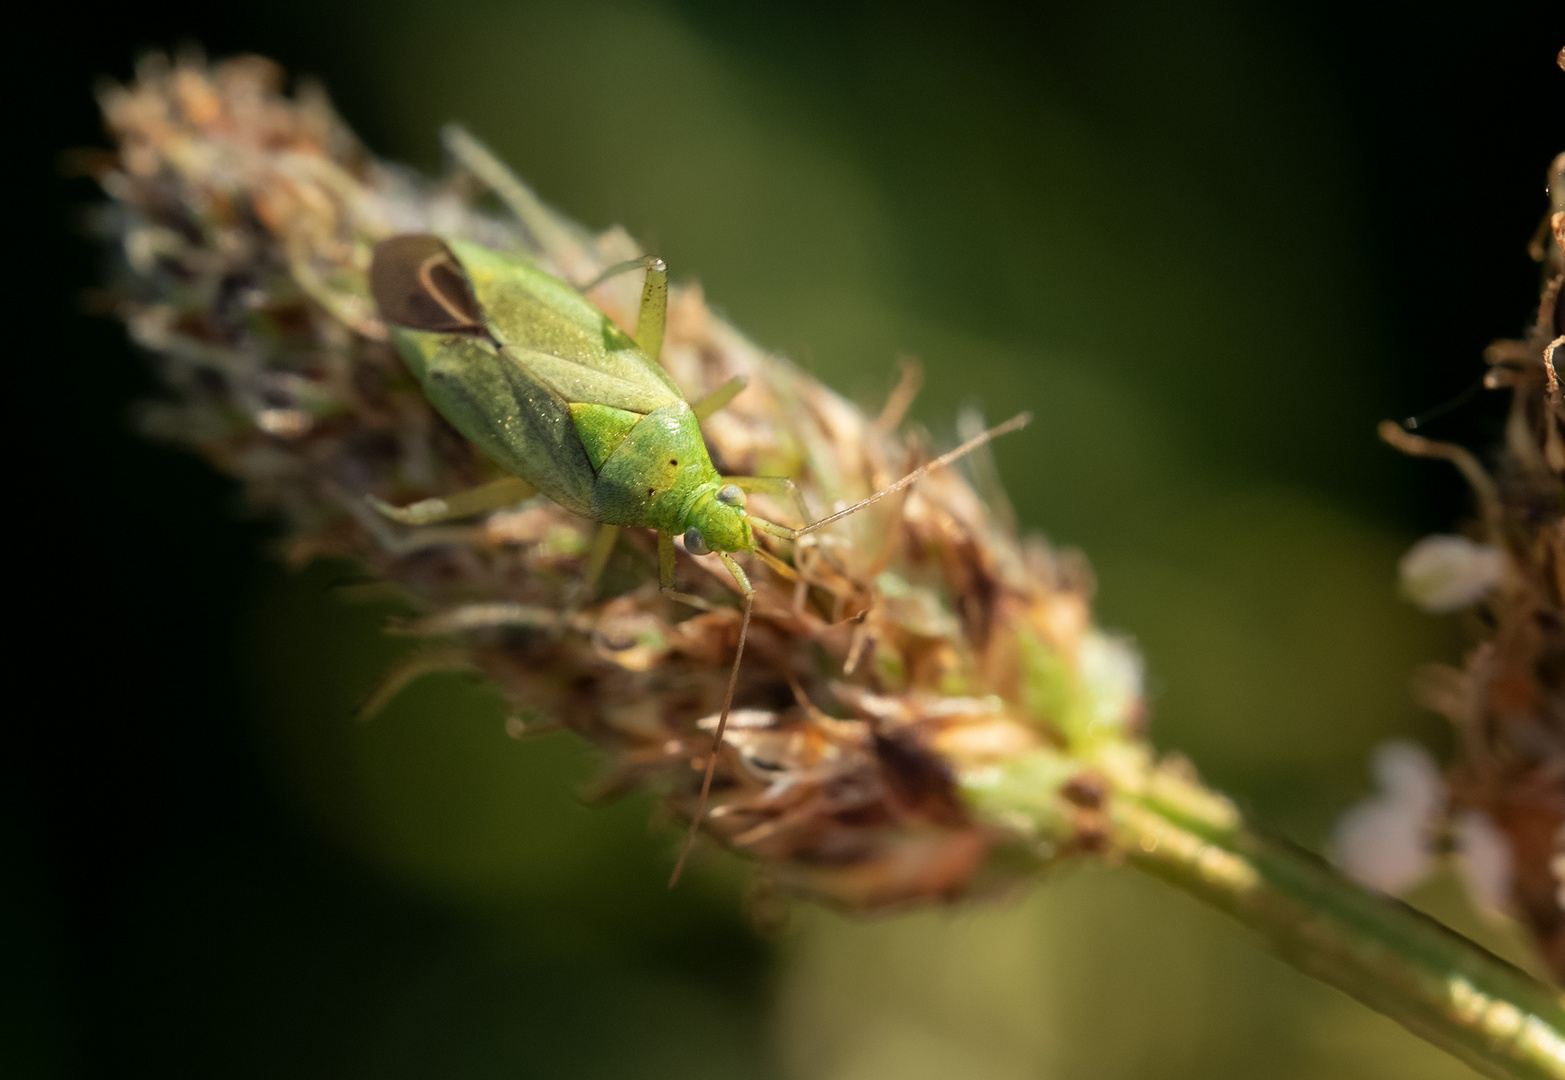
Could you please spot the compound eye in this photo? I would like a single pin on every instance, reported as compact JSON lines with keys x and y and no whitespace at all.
{"x":731,"y":495}
{"x":695,"y":543}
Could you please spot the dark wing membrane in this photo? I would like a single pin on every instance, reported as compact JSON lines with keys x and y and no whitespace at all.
{"x":417,"y":283}
{"x":571,"y":344}
{"x":499,"y":404}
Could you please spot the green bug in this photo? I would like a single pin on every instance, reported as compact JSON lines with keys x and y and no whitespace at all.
{"x":563,"y":399}
{"x":525,"y":366}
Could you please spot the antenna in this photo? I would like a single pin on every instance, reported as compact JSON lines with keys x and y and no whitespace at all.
{"x":717,"y":746}
{"x":1020,"y":420}
{"x":1413,"y":423}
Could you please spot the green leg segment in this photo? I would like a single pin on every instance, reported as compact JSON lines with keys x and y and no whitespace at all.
{"x":739,"y":575}
{"x":551,"y":234}
{"x":479,"y":500}
{"x":654,"y":308}
{"x":666,"y":552}
{"x":597,"y":559}
{"x":654,"y":300}
{"x":719,"y":397}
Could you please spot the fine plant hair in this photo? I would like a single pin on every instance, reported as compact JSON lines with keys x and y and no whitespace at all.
{"x":926,"y":711}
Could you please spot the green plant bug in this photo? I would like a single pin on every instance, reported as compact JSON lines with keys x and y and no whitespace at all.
{"x":546,"y":384}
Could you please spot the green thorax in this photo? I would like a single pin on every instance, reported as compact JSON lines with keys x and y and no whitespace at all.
{"x":657,"y":473}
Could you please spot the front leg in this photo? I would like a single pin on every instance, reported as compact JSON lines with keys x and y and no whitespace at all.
{"x":740,"y":577}
{"x":479,"y":500}
{"x":666,"y":553}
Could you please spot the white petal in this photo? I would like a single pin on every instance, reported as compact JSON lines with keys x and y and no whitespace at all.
{"x":1486,"y":863}
{"x":1112,"y":672}
{"x":1385,"y":842}
{"x":1447,"y":573}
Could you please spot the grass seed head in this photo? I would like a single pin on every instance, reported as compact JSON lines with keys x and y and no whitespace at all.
{"x":925,"y":654}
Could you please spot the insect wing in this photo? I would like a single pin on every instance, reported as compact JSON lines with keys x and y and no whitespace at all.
{"x":563,"y":339}
{"x":417,"y":283}
{"x":498,"y":403}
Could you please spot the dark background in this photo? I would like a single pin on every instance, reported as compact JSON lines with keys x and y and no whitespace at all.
{"x":1211,"y":246}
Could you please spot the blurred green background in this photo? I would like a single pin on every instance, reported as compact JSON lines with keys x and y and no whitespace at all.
{"x":1210,"y":245}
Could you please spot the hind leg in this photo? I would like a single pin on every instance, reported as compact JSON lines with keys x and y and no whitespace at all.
{"x":597,"y":559}
{"x":479,"y":500}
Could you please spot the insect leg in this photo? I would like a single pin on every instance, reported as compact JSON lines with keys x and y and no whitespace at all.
{"x":555,"y":236}
{"x":478,"y":500}
{"x":719,"y":397}
{"x":654,"y":308}
{"x":598,"y":558}
{"x":654,"y":299}
{"x":772,"y":529}
{"x":782,"y":568}
{"x":465,"y":618}
{"x":409,"y":669}
{"x":722,"y":718}
{"x":666,"y":575}
{"x":772,"y":485}
{"x":737,"y":571}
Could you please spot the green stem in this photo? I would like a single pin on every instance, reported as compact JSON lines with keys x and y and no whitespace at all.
{"x":1433,"y":981}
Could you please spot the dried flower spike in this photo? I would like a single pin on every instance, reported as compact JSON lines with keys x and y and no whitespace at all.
{"x":925,"y":711}
{"x":889,"y":652}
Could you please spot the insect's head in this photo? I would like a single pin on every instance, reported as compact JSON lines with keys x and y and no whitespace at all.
{"x":719,"y":523}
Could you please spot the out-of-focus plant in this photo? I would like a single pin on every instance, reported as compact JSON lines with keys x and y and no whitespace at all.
{"x":1501,"y":805}
{"x":929,"y":713}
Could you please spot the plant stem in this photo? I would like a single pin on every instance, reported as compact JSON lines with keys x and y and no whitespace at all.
{"x":1436,"y":983}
